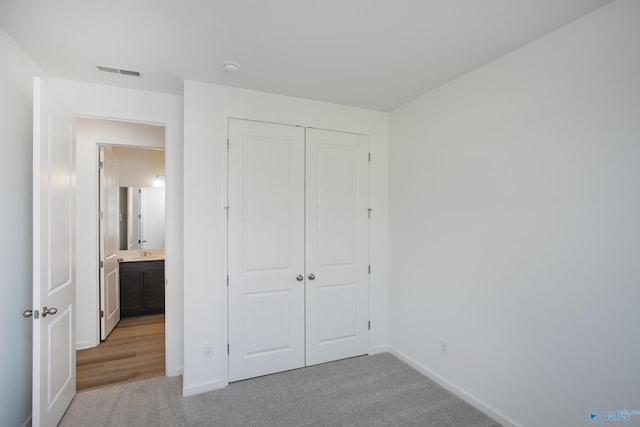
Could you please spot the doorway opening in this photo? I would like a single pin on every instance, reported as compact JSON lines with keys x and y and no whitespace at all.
{"x":130,"y":287}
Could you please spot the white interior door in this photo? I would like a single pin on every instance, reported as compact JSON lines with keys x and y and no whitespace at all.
{"x":337,"y":245}
{"x":54,"y":356}
{"x":266,"y":248}
{"x":109,"y":242}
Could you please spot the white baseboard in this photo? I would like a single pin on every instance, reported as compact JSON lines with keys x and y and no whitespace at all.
{"x":203,"y":387}
{"x":461,"y":393}
{"x":175,"y":372}
{"x":380,"y":349}
{"x":27,"y":422}
{"x":83,"y":345}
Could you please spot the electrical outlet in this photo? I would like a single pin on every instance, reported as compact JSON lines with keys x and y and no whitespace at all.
{"x":444,"y":348}
{"x":207,"y":350}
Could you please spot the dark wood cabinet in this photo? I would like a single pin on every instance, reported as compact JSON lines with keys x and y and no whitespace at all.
{"x":141,"y":288}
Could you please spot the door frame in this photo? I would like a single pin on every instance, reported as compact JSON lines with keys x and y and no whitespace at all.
{"x":172,"y":245}
{"x":224,"y":290}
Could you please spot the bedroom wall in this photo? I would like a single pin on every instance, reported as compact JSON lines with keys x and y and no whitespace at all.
{"x":514,"y":234}
{"x":16,"y":135}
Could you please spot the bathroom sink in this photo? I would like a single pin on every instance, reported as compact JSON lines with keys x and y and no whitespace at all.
{"x":142,"y":258}
{"x":135,"y":256}
{"x":146,"y":257}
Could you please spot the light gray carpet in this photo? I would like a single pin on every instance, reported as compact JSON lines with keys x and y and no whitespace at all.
{"x":367,"y":391}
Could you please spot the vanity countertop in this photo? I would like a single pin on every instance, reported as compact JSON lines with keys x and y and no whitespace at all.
{"x":133,"y":255}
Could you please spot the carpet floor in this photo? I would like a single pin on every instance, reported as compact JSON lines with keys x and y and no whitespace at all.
{"x":367,"y":391}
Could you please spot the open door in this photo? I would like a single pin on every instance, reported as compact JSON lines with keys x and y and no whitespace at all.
{"x":54,"y":356}
{"x":109,"y":243}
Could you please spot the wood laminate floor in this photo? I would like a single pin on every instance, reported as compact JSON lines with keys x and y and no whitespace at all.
{"x":133,"y":351}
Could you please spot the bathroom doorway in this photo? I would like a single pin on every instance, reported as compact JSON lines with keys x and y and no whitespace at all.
{"x":130,"y":291}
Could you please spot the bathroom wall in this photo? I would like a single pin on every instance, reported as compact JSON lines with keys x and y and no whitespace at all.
{"x":139,"y":167}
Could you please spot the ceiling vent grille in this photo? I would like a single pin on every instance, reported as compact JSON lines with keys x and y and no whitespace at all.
{"x":118,"y":71}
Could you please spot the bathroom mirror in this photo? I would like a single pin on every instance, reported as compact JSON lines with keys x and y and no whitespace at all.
{"x":142,"y":218}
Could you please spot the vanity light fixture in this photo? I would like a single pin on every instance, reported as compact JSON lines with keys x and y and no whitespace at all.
{"x":159,"y":181}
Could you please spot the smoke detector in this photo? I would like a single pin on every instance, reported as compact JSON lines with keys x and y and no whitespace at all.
{"x":231,"y":67}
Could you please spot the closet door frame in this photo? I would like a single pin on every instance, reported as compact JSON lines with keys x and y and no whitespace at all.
{"x":225,"y":118}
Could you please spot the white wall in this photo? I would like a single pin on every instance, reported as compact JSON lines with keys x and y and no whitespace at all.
{"x":514,"y":226}
{"x":206,"y":110}
{"x":98,"y":101}
{"x":16,"y":134}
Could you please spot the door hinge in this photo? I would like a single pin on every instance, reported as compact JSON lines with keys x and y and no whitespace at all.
{"x":101,"y":264}
{"x":101,"y":165}
{"x":369,"y":326}
{"x":101,"y":215}
{"x":369,"y":212}
{"x":226,"y":209}
{"x":101,"y":313}
{"x":227,"y":144}
{"x":227,"y":281}
{"x":228,"y":349}
{"x":369,"y":268}
{"x":369,"y":157}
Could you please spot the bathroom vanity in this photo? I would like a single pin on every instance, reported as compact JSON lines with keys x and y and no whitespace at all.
{"x":141,"y":283}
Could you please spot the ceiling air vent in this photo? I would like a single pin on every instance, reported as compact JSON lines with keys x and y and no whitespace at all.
{"x":118,"y":71}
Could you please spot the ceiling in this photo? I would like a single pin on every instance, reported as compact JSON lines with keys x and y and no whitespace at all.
{"x":376,"y":54}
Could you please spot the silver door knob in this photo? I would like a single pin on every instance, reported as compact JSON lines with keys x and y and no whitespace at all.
{"x":27,"y":313}
{"x":311,"y":276}
{"x":50,"y":311}
{"x":299,"y":277}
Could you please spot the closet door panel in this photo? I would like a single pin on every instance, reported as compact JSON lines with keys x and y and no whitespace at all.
{"x":266,"y":248}
{"x":337,"y":246}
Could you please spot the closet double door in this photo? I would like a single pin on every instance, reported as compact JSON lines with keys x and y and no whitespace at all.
{"x":298,"y":233}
